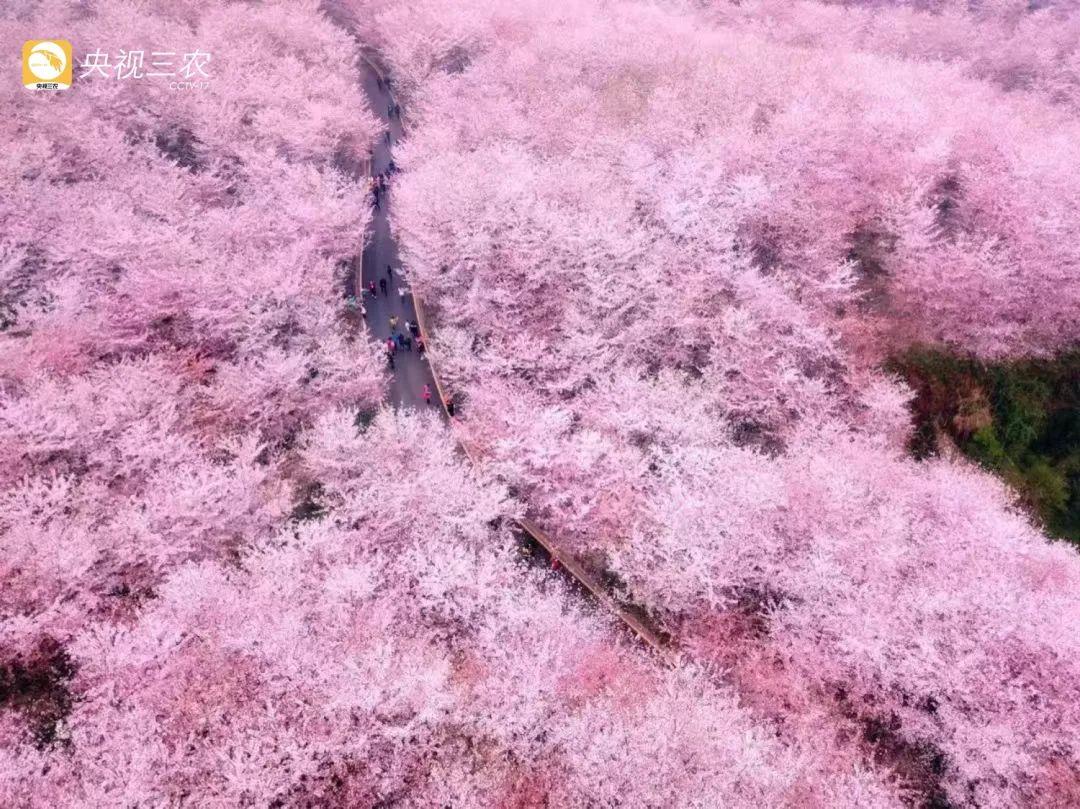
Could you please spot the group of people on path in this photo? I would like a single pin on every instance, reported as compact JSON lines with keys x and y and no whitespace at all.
{"x":392,"y":110}
{"x":400,"y":339}
{"x":378,"y":188}
{"x":403,"y":335}
{"x":378,"y":184}
{"x":403,"y":339}
{"x":384,"y":286}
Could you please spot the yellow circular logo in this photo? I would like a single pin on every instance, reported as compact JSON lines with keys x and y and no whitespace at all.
{"x":47,"y":61}
{"x":47,"y":64}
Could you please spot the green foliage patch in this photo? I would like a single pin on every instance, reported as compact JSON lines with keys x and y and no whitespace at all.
{"x":1020,"y":419}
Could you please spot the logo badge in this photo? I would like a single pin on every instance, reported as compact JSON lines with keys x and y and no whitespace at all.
{"x":46,"y":64}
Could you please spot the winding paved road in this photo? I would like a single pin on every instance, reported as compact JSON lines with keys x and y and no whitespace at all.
{"x":410,"y":373}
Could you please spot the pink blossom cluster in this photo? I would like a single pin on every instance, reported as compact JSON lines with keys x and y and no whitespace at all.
{"x":665,"y":245}
{"x":395,"y":651}
{"x":170,"y":301}
{"x":227,"y":580}
{"x":907,"y":192}
{"x":1020,"y":46}
{"x":665,"y":251}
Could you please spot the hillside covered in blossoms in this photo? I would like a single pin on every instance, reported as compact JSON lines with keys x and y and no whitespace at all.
{"x":506,"y":403}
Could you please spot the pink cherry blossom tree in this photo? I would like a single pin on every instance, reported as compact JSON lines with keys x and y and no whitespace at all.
{"x":664,"y":251}
{"x":172,"y":301}
{"x":395,"y":649}
{"x":665,"y":246}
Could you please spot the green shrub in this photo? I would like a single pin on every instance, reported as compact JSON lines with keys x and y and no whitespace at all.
{"x":1031,"y":436}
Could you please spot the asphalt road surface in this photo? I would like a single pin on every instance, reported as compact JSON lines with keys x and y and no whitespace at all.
{"x":410,"y":373}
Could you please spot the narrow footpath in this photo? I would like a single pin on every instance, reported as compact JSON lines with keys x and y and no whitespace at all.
{"x":410,"y":372}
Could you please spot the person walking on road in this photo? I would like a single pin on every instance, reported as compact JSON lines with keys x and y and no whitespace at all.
{"x":427,"y":394}
{"x":397,"y":111}
{"x":371,"y":288}
{"x":401,"y":294}
{"x":421,"y":349}
{"x":406,"y":341}
{"x":390,"y":345}
{"x":393,"y":324}
{"x":389,"y":272}
{"x":382,"y":285}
